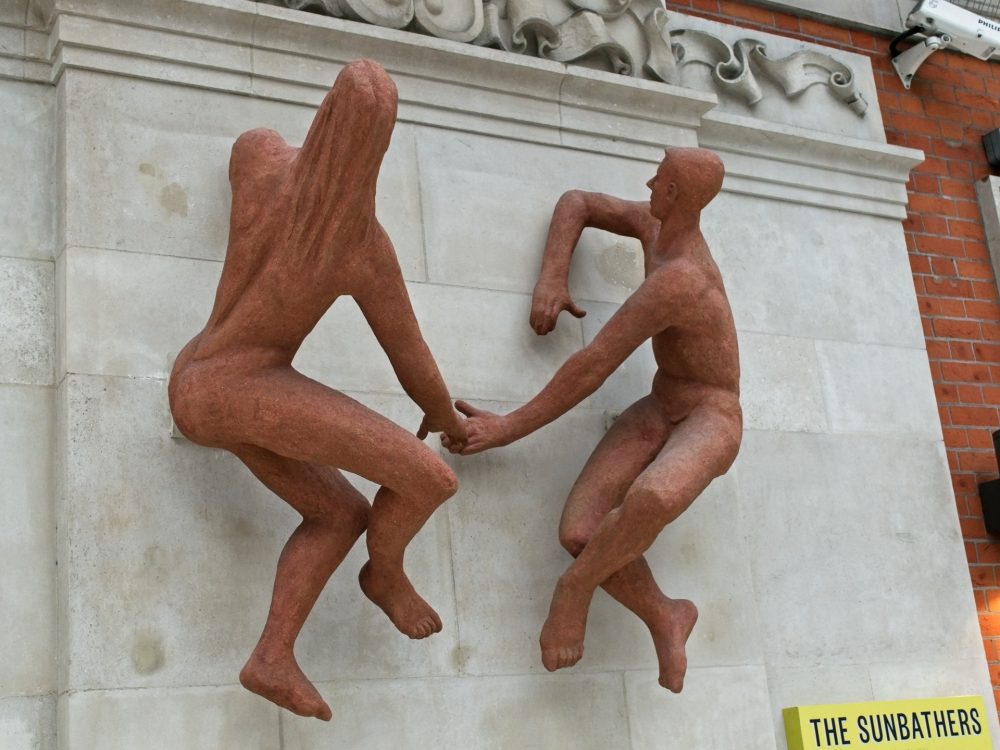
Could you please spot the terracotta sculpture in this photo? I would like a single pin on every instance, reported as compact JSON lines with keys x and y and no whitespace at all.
{"x":303,"y":233}
{"x":663,"y":451}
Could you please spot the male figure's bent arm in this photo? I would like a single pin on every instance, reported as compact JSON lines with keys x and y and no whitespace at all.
{"x":575,"y":211}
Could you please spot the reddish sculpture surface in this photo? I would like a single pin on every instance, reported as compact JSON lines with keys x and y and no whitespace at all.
{"x":303,"y":232}
{"x":663,"y":451}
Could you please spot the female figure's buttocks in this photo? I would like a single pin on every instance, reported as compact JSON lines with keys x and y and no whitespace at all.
{"x":303,"y":233}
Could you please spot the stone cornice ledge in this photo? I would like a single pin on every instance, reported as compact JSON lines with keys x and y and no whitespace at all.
{"x":243,"y":47}
{"x":803,"y":166}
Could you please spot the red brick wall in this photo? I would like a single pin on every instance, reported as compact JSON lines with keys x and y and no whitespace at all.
{"x":954,"y":100}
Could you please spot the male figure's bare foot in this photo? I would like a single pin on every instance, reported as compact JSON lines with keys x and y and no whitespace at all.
{"x":670,"y":633}
{"x":565,"y":627}
{"x":393,"y":593}
{"x":281,"y":681}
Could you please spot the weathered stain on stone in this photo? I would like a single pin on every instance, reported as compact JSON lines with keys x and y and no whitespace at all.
{"x":147,"y":652}
{"x":460,"y":658}
{"x":621,"y":265}
{"x":148,"y":169}
{"x":174,"y":198}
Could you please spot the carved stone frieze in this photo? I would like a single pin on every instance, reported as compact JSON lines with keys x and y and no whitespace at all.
{"x":628,"y":37}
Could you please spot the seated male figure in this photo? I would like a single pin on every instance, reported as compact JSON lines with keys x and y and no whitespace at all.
{"x":665,"y":449}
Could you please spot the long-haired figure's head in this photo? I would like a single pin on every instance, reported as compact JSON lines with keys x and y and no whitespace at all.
{"x":351,"y":131}
{"x":687,"y":180}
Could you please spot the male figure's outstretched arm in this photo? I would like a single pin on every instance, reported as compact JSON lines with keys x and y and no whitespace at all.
{"x":642,"y":316}
{"x":575,"y":211}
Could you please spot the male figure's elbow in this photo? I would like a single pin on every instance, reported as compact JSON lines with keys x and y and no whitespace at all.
{"x":572,"y":200}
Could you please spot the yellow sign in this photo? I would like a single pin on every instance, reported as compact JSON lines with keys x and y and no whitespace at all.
{"x":931,"y":724}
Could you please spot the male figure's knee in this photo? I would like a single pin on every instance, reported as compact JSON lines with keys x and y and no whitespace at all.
{"x":658,"y":505}
{"x":574,"y":537}
{"x":357,"y":515}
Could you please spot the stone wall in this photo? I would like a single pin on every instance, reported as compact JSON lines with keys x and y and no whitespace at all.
{"x":881,"y":15}
{"x":809,"y":560}
{"x":27,"y":369}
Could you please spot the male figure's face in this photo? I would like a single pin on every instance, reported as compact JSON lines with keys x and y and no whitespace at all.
{"x":663,"y":191}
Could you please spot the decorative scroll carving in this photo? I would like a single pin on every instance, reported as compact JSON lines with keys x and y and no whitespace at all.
{"x":629,"y":37}
{"x":734,"y":68}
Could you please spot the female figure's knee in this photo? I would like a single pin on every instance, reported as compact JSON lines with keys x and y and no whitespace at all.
{"x":444,"y":483}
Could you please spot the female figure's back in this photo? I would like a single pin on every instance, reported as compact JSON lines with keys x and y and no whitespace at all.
{"x":303,"y":232}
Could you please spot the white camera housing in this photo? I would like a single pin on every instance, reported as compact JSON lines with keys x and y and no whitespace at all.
{"x":943,"y":25}
{"x":968,"y":32}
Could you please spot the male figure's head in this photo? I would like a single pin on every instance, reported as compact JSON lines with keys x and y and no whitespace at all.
{"x":686,"y":180}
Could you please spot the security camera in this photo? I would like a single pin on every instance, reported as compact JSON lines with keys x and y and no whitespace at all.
{"x":943,"y":25}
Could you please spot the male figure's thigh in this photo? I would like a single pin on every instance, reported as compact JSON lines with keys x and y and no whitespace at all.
{"x":634,"y":440}
{"x":701,"y":447}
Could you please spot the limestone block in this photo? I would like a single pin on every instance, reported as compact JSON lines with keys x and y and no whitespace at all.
{"x":805,"y":271}
{"x":481,"y":340}
{"x":14,"y":12}
{"x":933,"y":679}
{"x":237,"y":29}
{"x":165,"y":150}
{"x":11,"y":40}
{"x":882,"y":16}
{"x":739,"y":714}
{"x":28,"y":723}
{"x":828,"y":683}
{"x":834,"y":524}
{"x":988,"y":192}
{"x":125,"y":312}
{"x":815,"y":685}
{"x":170,"y":551}
{"x":780,"y":384}
{"x":27,"y":540}
{"x":624,"y":122}
{"x":495,"y":713}
{"x":27,"y":149}
{"x":505,"y":531}
{"x":465,"y":175}
{"x":878,"y":389}
{"x":27,"y":321}
{"x":192,"y":718}
{"x":398,"y":202}
{"x":12,"y":68}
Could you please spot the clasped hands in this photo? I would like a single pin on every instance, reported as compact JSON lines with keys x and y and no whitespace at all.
{"x":484,"y":429}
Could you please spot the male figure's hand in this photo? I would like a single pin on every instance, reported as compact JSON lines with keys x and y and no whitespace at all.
{"x":547,"y":302}
{"x":484,"y":428}
{"x":453,"y":431}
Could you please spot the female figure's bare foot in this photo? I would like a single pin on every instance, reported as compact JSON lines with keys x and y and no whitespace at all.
{"x":281,"y":681}
{"x":670,"y":633}
{"x":565,"y":627}
{"x":393,"y":593}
